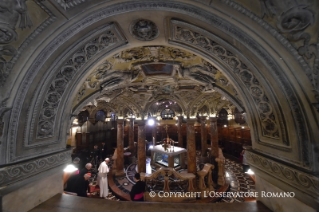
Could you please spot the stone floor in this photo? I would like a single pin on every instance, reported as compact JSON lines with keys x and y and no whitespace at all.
{"x":238,"y":180}
{"x":68,"y":203}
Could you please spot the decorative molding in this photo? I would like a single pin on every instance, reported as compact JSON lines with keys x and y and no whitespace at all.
{"x":3,"y":110}
{"x":46,"y":120}
{"x":13,"y":173}
{"x":308,"y":52}
{"x":144,"y":30}
{"x":8,"y":29}
{"x":300,"y":180}
{"x":68,"y":4}
{"x":270,"y":127}
{"x":286,"y":87}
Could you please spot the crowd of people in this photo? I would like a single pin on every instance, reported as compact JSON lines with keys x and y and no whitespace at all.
{"x":78,"y":183}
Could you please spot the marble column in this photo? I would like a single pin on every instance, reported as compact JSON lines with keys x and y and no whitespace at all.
{"x":213,"y":137}
{"x":191,"y":146}
{"x":141,"y":152}
{"x":120,"y":148}
{"x":179,"y":128}
{"x":131,"y":136}
{"x":203,"y":136}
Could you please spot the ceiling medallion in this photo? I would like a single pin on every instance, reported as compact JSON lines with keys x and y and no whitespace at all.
{"x":144,"y":30}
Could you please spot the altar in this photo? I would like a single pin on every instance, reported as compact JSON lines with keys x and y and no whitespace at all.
{"x":171,"y":157}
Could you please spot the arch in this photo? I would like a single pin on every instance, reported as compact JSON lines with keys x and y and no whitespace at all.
{"x":272,"y":80}
{"x":172,"y":98}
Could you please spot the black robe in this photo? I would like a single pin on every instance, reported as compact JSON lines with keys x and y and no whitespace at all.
{"x":138,"y":188}
{"x":82,"y":186}
{"x":71,"y":183}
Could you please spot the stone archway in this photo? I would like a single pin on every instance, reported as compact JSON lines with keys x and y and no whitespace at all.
{"x":278,"y":104}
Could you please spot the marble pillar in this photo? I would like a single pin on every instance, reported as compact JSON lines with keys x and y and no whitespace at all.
{"x":141,"y":151}
{"x":213,"y":137}
{"x":203,"y":136}
{"x":221,"y":168}
{"x":120,"y":148}
{"x":179,"y":128}
{"x":191,"y":147}
{"x":131,"y":136}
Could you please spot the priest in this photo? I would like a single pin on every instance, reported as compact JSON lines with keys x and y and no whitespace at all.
{"x":103,"y":170}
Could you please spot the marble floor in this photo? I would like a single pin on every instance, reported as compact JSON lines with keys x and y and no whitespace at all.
{"x":239,"y":181}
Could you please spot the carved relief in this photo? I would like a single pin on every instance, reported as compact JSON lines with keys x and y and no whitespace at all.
{"x":269,"y":126}
{"x":67,"y":4}
{"x":3,"y":110}
{"x":144,"y":30}
{"x":304,"y":182}
{"x":14,"y":173}
{"x":11,"y":12}
{"x":293,"y":19}
{"x":54,"y":94}
{"x":286,"y":86}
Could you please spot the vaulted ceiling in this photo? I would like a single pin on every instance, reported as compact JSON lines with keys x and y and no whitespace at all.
{"x":132,"y":81}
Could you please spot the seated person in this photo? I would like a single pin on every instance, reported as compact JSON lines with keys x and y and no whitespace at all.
{"x":137,"y":192}
{"x":82,"y":185}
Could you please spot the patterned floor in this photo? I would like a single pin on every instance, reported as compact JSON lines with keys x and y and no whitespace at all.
{"x":239,"y":181}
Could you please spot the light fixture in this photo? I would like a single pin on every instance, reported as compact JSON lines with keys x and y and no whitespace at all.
{"x":225,"y":125}
{"x":151,"y":147}
{"x":213,"y":115}
{"x":229,"y":117}
{"x":151,"y":122}
{"x":243,"y":127}
{"x":70,"y":168}
{"x":227,"y":175}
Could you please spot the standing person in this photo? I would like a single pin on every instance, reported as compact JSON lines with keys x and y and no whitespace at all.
{"x":243,"y":160}
{"x":86,"y":169}
{"x":95,"y":156}
{"x":103,"y":150}
{"x":137,"y":192}
{"x":82,"y":184}
{"x":103,"y":170}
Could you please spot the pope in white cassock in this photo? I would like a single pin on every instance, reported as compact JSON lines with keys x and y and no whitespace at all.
{"x":103,"y":170}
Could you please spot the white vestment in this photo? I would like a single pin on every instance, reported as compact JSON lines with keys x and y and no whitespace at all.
{"x":103,"y":170}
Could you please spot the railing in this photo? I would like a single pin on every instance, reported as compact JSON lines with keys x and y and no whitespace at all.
{"x":205,"y":177}
{"x":168,"y":179}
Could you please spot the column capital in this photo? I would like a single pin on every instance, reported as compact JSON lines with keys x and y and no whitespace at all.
{"x":213,"y":119}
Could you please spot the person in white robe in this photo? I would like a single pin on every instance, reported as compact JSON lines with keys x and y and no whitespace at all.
{"x":103,"y":170}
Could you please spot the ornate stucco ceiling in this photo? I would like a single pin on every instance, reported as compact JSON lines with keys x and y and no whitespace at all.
{"x":132,"y":81}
